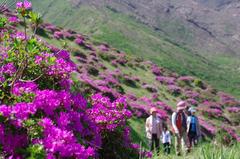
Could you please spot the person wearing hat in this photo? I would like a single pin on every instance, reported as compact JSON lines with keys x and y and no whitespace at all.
{"x":193,"y":127}
{"x":153,"y":129}
{"x":179,"y":124}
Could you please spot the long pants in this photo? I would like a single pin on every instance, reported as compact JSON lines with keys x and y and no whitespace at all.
{"x":181,"y":143}
{"x":166,"y":147}
{"x":154,"y":143}
{"x":192,"y":137}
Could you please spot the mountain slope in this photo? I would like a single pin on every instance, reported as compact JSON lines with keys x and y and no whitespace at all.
{"x":102,"y":68}
{"x":187,"y":22}
{"x":128,"y":32}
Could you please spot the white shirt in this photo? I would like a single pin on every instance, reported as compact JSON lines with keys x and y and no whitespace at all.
{"x":153,"y":125}
{"x":166,"y":137}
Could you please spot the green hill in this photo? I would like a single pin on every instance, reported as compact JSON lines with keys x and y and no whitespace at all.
{"x":129,"y":35}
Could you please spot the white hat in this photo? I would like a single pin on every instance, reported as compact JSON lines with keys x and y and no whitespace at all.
{"x":192,"y":110}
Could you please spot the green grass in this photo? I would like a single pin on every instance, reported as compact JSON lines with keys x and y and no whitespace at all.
{"x":207,"y":151}
{"x":138,"y":131}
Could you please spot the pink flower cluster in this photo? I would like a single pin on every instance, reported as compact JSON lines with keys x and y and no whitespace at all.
{"x":166,"y":80}
{"x":109,"y":115}
{"x":104,"y":47}
{"x":175,"y":90}
{"x":24,"y":5}
{"x":8,"y":69}
{"x":208,"y":126}
{"x":13,"y":19}
{"x":231,"y":132}
{"x":211,"y":109}
{"x":62,"y":142}
{"x":228,"y":100}
{"x":233,"y":109}
{"x":24,"y":88}
{"x":62,"y":66}
{"x":156,"y":70}
{"x":191,"y":94}
{"x":192,"y":101}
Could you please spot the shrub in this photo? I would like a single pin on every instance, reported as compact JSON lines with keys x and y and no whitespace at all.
{"x":199,"y":83}
{"x":128,"y":81}
{"x":107,"y":57}
{"x":166,"y":80}
{"x":142,"y":67}
{"x":174,"y":90}
{"x":156,"y":70}
{"x":79,"y":54}
{"x":92,"y":70}
{"x":185,"y":81}
{"x":139,"y":59}
{"x":130,"y":64}
{"x":120,"y":89}
{"x":150,"y":88}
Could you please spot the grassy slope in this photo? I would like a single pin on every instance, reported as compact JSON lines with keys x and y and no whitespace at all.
{"x":137,"y":125}
{"x":132,"y":37}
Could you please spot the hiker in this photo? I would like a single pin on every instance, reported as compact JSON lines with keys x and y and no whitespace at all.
{"x":153,"y":130}
{"x":187,"y":111}
{"x":193,"y":128}
{"x":166,"y":139}
{"x":179,"y":124}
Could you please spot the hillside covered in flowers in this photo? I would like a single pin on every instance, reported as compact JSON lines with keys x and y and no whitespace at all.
{"x":64,"y":95}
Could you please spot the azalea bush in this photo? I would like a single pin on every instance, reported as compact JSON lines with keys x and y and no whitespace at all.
{"x":40,"y":114}
{"x":36,"y":101}
{"x":224,"y":137}
{"x":128,"y":80}
{"x":174,"y":90}
{"x":166,"y":80}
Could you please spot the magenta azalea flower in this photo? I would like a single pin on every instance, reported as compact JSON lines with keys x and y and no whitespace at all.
{"x":24,"y":87}
{"x":20,"y":35}
{"x":13,"y":19}
{"x":8,"y":69}
{"x":27,"y":5}
{"x":24,"y":5}
{"x":19,"y":5}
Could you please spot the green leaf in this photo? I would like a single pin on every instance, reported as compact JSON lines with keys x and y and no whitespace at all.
{"x":3,"y":21}
{"x":35,"y":18}
{"x":52,"y":60}
{"x":36,"y":151}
